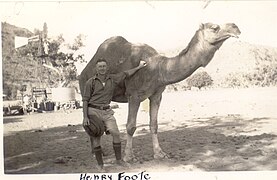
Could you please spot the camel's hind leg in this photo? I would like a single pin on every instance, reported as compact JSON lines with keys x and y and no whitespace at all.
{"x":134,"y":103}
{"x":155,"y":101}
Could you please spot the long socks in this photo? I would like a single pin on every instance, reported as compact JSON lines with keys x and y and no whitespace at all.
{"x":117,"y":150}
{"x":98,"y":155}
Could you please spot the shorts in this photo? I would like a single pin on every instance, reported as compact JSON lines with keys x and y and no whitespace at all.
{"x":107,"y":117}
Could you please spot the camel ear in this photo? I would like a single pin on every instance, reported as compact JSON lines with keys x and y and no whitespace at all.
{"x":201,"y":26}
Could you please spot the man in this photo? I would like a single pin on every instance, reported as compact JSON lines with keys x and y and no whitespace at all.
{"x":26,"y":104}
{"x":98,"y":93}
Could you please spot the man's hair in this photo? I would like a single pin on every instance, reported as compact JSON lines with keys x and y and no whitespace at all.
{"x":101,"y":60}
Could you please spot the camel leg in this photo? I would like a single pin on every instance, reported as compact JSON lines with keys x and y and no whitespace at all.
{"x":155,"y":101}
{"x":131,"y":127}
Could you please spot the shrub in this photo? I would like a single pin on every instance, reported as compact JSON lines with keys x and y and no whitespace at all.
{"x":200,"y":80}
{"x":265,"y":72}
{"x":264,"y":75}
{"x":235,"y":80}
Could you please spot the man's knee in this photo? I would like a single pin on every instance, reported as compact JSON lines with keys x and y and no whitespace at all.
{"x":95,"y":141}
{"x":114,"y":132}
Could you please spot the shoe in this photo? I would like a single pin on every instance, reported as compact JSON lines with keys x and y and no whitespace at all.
{"x":122,"y":163}
{"x":100,"y":169}
{"x":103,"y":153}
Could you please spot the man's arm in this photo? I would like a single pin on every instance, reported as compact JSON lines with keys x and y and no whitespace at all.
{"x":85,"y":113}
{"x":85,"y":98}
{"x":130,"y":72}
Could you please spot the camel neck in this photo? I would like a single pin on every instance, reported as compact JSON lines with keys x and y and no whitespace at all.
{"x":182,"y":66}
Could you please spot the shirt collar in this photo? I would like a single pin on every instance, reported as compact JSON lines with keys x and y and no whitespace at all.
{"x":96,"y":76}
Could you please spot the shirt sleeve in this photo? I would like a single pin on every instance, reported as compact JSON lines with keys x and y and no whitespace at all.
{"x":119,"y":78}
{"x":88,"y":90}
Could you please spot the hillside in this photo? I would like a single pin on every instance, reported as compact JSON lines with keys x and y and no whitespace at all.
{"x":8,"y":33}
{"x":236,"y":57}
{"x":21,"y":67}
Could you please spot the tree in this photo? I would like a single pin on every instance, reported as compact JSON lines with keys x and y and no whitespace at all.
{"x":78,"y":43}
{"x":45,"y":31}
{"x":26,"y":65}
{"x":64,"y":62}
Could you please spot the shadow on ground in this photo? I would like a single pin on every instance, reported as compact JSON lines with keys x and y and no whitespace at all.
{"x":204,"y":146}
{"x":12,"y":119}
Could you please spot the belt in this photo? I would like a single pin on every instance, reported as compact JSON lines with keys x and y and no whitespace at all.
{"x":99,"y":107}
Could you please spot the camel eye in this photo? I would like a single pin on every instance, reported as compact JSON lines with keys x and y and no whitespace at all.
{"x":214,"y":27}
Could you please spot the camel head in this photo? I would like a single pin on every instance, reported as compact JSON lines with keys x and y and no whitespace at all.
{"x":214,"y":35}
{"x":210,"y":38}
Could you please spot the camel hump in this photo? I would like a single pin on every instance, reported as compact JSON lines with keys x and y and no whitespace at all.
{"x":120,"y":55}
{"x":116,"y":39}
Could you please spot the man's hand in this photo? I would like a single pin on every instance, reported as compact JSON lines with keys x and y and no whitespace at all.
{"x":130,"y":72}
{"x":142,"y":64}
{"x":86,"y":121}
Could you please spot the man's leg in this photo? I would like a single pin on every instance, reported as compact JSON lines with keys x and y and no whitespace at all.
{"x":98,"y":151}
{"x":116,"y":143}
{"x":117,"y":150}
{"x":91,"y":143}
{"x":112,"y":127}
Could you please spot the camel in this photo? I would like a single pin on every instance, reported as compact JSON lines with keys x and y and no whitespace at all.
{"x":150,"y":82}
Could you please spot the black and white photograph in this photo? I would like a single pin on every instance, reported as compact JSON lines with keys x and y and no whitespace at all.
{"x":139,"y":90}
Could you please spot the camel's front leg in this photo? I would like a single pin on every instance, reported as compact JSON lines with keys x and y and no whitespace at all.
{"x":131,"y":127}
{"x":155,"y":101}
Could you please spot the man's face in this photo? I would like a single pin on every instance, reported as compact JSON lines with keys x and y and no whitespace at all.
{"x":101,"y":68}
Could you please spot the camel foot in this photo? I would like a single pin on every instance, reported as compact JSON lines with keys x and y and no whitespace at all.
{"x":161,"y":155}
{"x":122,"y":163}
{"x":101,"y":169}
{"x":130,"y":158}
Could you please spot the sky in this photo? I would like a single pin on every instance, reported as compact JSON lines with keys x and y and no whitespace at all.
{"x":167,"y":26}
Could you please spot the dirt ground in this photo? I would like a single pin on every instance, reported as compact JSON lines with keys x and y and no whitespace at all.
{"x":210,"y":130}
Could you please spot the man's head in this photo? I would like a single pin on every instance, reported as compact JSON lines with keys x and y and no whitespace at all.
{"x":101,"y":66}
